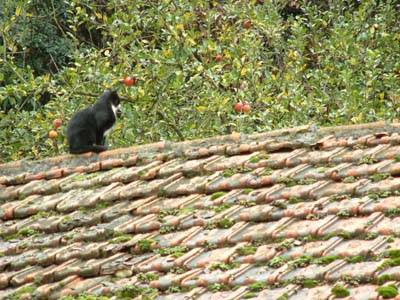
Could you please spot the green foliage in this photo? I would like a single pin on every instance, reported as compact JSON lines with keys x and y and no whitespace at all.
{"x":393,"y":253}
{"x":385,"y":278}
{"x":176,"y":251}
{"x":387,"y":292}
{"x":309,"y":283}
{"x":246,"y":250}
{"x":225,"y":223}
{"x":121,"y":239}
{"x":85,"y":297}
{"x":257,"y":286}
{"x":336,"y":64}
{"x":340,"y":291}
{"x":147,"y":277}
{"x":391,"y":262}
{"x":217,"y":195}
{"x":18,"y":294}
{"x":145,"y":245}
{"x":132,"y":291}
{"x":223,"y":266}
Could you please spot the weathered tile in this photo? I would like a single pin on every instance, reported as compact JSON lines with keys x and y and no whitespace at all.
{"x":202,"y":216}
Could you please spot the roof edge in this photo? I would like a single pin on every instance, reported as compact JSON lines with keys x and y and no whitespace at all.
{"x":307,"y":135}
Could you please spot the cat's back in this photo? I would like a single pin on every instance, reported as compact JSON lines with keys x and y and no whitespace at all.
{"x":82,"y":119}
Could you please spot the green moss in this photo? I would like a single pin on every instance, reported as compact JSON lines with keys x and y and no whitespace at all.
{"x":216,"y":195}
{"x":279,"y":204}
{"x":261,"y":156}
{"x":300,"y":262}
{"x":167,"y":229}
{"x":43,"y":214}
{"x":371,"y":235}
{"x":121,"y":239}
{"x":168,"y":212}
{"x":285,"y":245}
{"x":379,"y":177}
{"x":344,"y":213}
{"x":387,"y":292}
{"x":132,"y":291}
{"x":306,"y":181}
{"x":385,"y":278}
{"x":285,"y":296}
{"x":325,"y":260}
{"x":257,"y":286}
{"x":294,"y":200}
{"x":277,"y":262}
{"x":27,"y":289}
{"x":322,"y":169}
{"x":66,"y":219}
{"x":391,"y":262}
{"x":175,"y":289}
{"x":393,"y":253}
{"x":309,"y":283}
{"x":390,"y":239}
{"x":225,"y":223}
{"x":355,"y":259}
{"x":340,"y":291}
{"x":379,"y":195}
{"x":246,"y":250}
{"x":267,"y":172}
{"x":145,"y":245}
{"x":176,"y":251}
{"x":392,"y":212}
{"x":368,"y":159}
{"x":221,"y":207}
{"x":177,"y":270}
{"x":247,"y":203}
{"x":247,"y":191}
{"x":232,"y":171}
{"x":249,"y":295}
{"x":346,"y":235}
{"x":147,"y":277}
{"x":349,"y":179}
{"x":228,"y":172}
{"x":22,"y":233}
{"x":217,"y":287}
{"x":223,"y":266}
{"x":289,"y":182}
{"x":85,"y":297}
{"x":337,"y":198}
{"x":162,"y":193}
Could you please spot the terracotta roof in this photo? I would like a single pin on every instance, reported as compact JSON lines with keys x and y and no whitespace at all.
{"x":304,"y":213}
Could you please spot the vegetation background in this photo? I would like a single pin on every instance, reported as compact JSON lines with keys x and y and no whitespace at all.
{"x":296,"y":62}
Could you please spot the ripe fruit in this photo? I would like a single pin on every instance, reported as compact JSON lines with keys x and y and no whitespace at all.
{"x":242,"y":107}
{"x":129,"y":80}
{"x":57,"y":123}
{"x":218,"y":58}
{"x":246,"y":24}
{"x":238,"y":107}
{"x":246,"y":107}
{"x":53,"y":134}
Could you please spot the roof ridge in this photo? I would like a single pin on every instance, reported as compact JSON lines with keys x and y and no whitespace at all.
{"x":306,"y":135}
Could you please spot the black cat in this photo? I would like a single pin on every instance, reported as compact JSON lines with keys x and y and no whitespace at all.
{"x":87,"y":129}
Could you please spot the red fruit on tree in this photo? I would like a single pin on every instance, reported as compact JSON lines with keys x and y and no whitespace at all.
{"x":57,"y":123}
{"x":129,"y":80}
{"x":246,"y":24}
{"x":218,"y":58}
{"x":53,"y":134}
{"x":246,"y":107}
{"x":238,"y":107}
